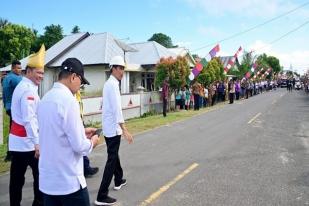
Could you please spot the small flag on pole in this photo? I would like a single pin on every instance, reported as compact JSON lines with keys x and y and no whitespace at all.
{"x":212,"y":53}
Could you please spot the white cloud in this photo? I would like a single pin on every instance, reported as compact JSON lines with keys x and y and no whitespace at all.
{"x":299,"y":59}
{"x":260,"y":47}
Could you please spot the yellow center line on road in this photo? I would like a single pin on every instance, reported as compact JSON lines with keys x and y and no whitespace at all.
{"x":256,"y":116}
{"x":164,"y":188}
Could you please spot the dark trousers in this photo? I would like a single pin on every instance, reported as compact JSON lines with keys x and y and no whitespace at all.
{"x":231,"y":98}
{"x":112,"y":166}
{"x":196,"y":102}
{"x":19,"y":164}
{"x":86,"y":163}
{"x":8,"y":153}
{"x":164,"y":106}
{"x":237,"y":95}
{"x":79,"y":198}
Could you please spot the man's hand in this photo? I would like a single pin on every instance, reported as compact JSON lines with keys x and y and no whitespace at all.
{"x":37,"y":151}
{"x":128,"y":136}
{"x":90,"y":132}
{"x":95,"y":140}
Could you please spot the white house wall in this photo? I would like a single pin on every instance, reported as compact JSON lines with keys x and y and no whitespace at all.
{"x":50,"y":76}
{"x":133,"y":105}
{"x":135,"y":81}
{"x":96,"y":77}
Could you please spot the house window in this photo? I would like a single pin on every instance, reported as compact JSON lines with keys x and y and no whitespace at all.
{"x":148,"y":81}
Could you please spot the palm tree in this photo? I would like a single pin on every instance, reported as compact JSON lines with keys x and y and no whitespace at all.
{"x":3,"y":22}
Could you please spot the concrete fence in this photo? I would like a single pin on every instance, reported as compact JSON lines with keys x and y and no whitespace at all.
{"x":133,"y":105}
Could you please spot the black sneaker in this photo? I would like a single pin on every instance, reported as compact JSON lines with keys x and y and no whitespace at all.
{"x":91,"y":171}
{"x":123,"y":183}
{"x":105,"y":201}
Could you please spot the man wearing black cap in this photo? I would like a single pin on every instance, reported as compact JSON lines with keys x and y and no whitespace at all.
{"x":64,"y":140}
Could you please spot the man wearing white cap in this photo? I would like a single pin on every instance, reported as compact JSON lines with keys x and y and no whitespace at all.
{"x":113,"y":128}
{"x":24,"y":133}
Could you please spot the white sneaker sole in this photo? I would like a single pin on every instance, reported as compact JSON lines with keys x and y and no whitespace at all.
{"x":103,"y":203}
{"x":119,"y":187}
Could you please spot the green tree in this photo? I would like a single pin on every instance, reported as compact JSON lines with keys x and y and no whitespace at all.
{"x":75,"y":29}
{"x":176,"y":70}
{"x":246,"y":64}
{"x":15,"y":42}
{"x":274,"y":63}
{"x":265,"y":62}
{"x":162,"y":39}
{"x":213,"y":71}
{"x":3,"y":22}
{"x":51,"y":36}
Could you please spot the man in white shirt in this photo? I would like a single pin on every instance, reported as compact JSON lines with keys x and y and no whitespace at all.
{"x":24,"y":134}
{"x":113,"y":128}
{"x":64,"y":140}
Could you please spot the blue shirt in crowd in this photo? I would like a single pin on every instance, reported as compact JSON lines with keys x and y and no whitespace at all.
{"x":9,"y":83}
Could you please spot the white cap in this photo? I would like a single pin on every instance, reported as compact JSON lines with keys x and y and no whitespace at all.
{"x":117,"y":60}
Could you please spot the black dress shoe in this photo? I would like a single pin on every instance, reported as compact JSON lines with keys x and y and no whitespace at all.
{"x":91,"y":171}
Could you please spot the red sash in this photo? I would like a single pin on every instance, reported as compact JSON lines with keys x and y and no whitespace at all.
{"x":18,"y":130}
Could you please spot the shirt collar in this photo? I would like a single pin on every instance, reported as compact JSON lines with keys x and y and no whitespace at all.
{"x":114,"y":79}
{"x":29,"y":81}
{"x":59,"y":85}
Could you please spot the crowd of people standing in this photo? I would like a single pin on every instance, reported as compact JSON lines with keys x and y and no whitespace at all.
{"x":196,"y":95}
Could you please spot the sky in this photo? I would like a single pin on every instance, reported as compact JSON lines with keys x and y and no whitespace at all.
{"x":194,"y":24}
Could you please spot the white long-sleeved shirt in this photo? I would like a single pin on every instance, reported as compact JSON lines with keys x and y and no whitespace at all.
{"x":24,"y":113}
{"x":63,"y":143}
{"x":111,"y":109}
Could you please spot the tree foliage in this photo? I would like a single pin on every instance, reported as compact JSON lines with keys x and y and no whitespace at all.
{"x":53,"y":34}
{"x":15,"y":42}
{"x":213,"y":71}
{"x":75,"y":29}
{"x":3,"y":22}
{"x":176,"y":70}
{"x":265,"y":62}
{"x":162,"y":39}
{"x":246,"y":64}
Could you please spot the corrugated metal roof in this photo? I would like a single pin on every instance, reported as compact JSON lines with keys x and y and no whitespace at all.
{"x":182,"y":51}
{"x":148,"y":53}
{"x":55,"y":50}
{"x":95,"y":49}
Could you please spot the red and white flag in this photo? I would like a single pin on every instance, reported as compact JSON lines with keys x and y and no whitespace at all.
{"x":232,"y":60}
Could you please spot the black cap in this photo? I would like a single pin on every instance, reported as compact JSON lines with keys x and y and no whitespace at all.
{"x":75,"y":66}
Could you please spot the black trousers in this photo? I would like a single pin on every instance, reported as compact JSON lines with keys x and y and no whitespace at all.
{"x":164,"y":106}
{"x":20,"y":162}
{"x":112,"y":166}
{"x":78,"y":198}
{"x":237,"y":95}
{"x":8,"y":153}
{"x":231,"y":98}
{"x":196,"y":102}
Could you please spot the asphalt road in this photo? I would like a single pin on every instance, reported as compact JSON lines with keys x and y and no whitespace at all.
{"x":253,"y":152}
